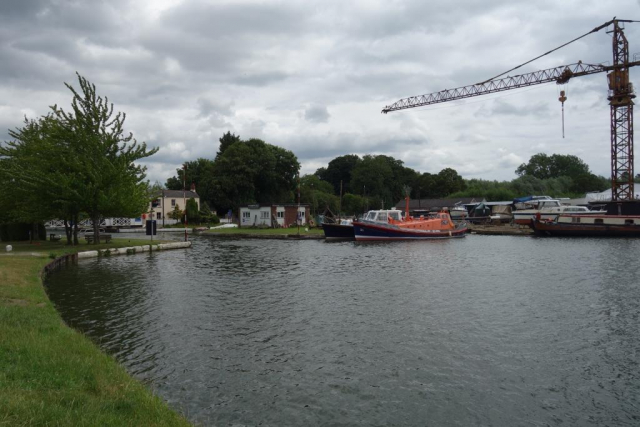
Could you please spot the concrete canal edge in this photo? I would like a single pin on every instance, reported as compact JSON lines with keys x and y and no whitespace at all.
{"x":73,"y":258}
{"x":266,"y":236}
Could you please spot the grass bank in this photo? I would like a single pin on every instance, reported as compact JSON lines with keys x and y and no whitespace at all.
{"x":51,"y":374}
{"x":266,"y":231}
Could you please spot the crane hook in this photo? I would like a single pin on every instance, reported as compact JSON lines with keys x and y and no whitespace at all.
{"x":562,"y":99}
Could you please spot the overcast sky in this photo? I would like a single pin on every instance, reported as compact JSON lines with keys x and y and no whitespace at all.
{"x":313,"y":76}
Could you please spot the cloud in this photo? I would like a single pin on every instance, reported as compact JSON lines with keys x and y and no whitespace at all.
{"x":313,"y":77}
{"x":317,"y":114}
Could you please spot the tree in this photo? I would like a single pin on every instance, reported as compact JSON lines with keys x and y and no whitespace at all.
{"x":103,"y":157}
{"x":448,"y":181}
{"x":198,"y":172}
{"x":192,"y":211}
{"x":39,"y":176}
{"x":542,"y":166}
{"x":226,"y":141}
{"x":339,"y":170}
{"x":254,"y":172}
{"x":176,"y":213}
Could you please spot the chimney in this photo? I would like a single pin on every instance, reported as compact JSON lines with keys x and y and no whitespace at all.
{"x":193,"y":187}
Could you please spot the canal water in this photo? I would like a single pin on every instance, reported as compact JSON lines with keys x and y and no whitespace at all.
{"x":484,"y":331}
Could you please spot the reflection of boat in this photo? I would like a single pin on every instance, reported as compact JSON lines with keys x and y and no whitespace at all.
{"x":549,"y":210}
{"x":389,"y":225}
{"x":341,"y":230}
{"x":588,"y":225}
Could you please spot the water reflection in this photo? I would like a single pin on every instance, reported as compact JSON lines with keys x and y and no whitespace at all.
{"x":478,"y":331}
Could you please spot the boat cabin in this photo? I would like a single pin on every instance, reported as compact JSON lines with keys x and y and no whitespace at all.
{"x":383,"y":215}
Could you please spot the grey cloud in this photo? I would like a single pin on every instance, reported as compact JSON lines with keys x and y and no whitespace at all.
{"x":260,"y":79}
{"x":317,"y":114}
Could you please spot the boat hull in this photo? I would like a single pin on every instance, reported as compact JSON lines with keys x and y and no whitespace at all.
{"x":338,"y":231}
{"x":372,"y":232}
{"x":554,"y":228}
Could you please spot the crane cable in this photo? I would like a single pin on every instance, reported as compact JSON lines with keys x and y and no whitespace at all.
{"x":595,"y":30}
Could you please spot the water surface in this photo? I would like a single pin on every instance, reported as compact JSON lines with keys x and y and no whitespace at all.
{"x":477,"y":331}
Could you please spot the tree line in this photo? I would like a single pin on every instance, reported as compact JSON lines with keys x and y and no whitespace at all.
{"x":376,"y":181}
{"x":73,"y":165}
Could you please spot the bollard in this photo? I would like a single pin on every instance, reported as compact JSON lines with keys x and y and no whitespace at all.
{"x":9,"y":248}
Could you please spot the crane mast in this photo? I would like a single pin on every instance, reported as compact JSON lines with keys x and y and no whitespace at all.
{"x":620,"y":98}
{"x":621,"y":101}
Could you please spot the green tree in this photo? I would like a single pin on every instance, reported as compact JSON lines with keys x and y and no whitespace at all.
{"x":108,"y":180}
{"x":448,"y":181}
{"x":254,"y":172}
{"x":176,"y":213}
{"x":192,"y":212}
{"x":339,"y":170}
{"x":199,"y":172}
{"x":38,"y":177}
{"x":543,"y":167}
{"x":226,"y":141}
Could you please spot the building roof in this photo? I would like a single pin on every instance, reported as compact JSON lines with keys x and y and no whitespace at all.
{"x":425,"y":204}
{"x":178,"y":194}
{"x":267,"y":205}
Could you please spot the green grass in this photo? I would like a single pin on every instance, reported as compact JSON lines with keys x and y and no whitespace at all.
{"x":51,"y":374}
{"x":267,"y":231}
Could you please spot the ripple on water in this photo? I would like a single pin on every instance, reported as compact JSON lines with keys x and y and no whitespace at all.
{"x":478,"y":331}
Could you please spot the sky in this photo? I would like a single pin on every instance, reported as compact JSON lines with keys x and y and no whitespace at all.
{"x":313,"y":76}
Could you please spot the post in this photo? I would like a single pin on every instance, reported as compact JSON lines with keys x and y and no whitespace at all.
{"x":298,"y":212}
{"x":184,"y":201}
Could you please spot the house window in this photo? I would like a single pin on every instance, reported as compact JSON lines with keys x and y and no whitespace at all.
{"x":264,"y":215}
{"x":280,"y":214}
{"x":155,"y":203}
{"x":173,"y":202}
{"x":301,"y":214}
{"x":158,"y":215}
{"x":246,"y":215}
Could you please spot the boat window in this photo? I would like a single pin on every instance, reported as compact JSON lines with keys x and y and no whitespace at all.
{"x":575,"y":219}
{"x":371,"y":216}
{"x":628,"y":222}
{"x":599,"y":221}
{"x":395,"y":215}
{"x":382,"y":216}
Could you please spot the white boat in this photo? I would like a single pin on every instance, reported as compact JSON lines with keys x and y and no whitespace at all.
{"x":549,"y":209}
{"x":458,"y":213}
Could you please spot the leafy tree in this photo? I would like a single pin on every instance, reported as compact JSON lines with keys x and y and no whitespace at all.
{"x":199,"y":172}
{"x":254,"y":172}
{"x":192,"y":211}
{"x":542,"y":166}
{"x":353,"y":204}
{"x":339,"y":170}
{"x":39,"y":176}
{"x":226,"y":141}
{"x":318,"y":193}
{"x":448,"y":181}
{"x":176,"y":213}
{"x":103,"y":157}
{"x":372,"y":177}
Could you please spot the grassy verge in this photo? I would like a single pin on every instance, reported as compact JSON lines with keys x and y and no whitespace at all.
{"x":267,"y":231}
{"x":51,"y":374}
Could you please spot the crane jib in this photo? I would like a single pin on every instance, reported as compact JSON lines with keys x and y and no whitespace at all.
{"x":559,"y":75}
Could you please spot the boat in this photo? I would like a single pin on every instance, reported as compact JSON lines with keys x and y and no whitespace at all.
{"x":588,"y":225}
{"x":549,"y":209}
{"x":342,"y":230}
{"x":458,"y":213}
{"x":391,"y":225}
